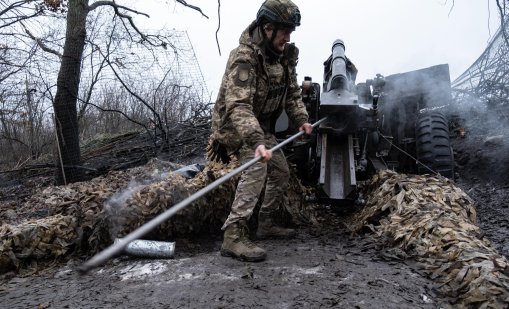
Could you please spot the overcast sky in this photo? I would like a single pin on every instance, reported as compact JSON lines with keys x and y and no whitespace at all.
{"x":381,"y":36}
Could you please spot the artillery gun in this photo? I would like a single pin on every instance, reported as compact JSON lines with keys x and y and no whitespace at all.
{"x":391,"y":122}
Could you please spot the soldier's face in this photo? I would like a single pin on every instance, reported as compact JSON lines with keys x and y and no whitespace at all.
{"x":282,"y":37}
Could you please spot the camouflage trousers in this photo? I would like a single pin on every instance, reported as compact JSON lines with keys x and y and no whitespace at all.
{"x":274,"y":173}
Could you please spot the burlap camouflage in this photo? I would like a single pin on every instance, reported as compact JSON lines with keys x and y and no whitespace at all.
{"x":254,"y":92}
{"x":251,"y":184}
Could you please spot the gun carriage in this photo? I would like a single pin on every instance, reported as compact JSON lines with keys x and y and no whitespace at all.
{"x":386,"y":122}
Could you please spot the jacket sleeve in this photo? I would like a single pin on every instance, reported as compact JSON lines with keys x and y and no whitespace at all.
{"x":239,"y":98}
{"x":294,"y":106}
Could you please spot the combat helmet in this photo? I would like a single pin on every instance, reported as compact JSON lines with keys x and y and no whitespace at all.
{"x":280,"y":12}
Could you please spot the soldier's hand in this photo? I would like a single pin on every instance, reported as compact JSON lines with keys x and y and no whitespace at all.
{"x":263,"y":152}
{"x":217,"y":152}
{"x":307,"y":128}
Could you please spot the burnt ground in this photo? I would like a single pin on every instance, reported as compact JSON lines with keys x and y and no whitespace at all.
{"x":323,"y":266}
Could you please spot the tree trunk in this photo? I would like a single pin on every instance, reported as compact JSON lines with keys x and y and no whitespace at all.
{"x":65,"y":104}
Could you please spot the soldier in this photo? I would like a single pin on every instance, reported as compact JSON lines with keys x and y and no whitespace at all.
{"x":259,"y":82}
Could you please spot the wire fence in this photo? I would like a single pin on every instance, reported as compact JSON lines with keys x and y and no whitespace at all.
{"x":486,"y":82}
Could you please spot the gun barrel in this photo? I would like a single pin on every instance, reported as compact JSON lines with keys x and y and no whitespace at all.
{"x":338,"y":78}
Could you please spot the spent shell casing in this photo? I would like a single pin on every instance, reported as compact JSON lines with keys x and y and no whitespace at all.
{"x":150,"y":248}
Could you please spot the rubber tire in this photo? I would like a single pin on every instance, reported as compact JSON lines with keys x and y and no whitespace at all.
{"x":433,"y":146}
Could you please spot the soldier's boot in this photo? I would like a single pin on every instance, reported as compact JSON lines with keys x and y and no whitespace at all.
{"x":236,"y":244}
{"x":267,"y":228}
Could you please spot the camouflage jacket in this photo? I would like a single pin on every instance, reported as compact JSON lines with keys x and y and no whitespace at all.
{"x":254,"y":93}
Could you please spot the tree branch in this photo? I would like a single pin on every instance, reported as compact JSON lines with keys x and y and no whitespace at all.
{"x":122,"y":113}
{"x":5,"y":137}
{"x":115,"y":6}
{"x":19,"y":67}
{"x":452,"y":7}
{"x":184,"y":3}
{"x":95,"y":78}
{"x":126,"y":87}
{"x":129,"y":18}
{"x":41,"y":44}
{"x":218,"y":24}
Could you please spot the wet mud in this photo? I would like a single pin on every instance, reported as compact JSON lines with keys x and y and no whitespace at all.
{"x":318,"y":268}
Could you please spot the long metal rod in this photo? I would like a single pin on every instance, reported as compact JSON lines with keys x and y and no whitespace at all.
{"x":59,"y":150}
{"x":117,"y":247}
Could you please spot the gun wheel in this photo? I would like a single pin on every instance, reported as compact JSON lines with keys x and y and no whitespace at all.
{"x":433,"y":146}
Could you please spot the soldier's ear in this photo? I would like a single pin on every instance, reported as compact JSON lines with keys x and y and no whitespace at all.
{"x":268,"y":28}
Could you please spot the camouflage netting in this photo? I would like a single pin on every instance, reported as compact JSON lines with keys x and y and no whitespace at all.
{"x":206,"y":214}
{"x":432,"y":220}
{"x":87,"y":216}
{"x":42,"y":239}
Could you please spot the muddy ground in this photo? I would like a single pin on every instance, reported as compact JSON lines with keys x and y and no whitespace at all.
{"x":322,"y":266}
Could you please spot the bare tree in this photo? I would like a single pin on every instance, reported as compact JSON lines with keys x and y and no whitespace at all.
{"x":152,"y":107}
{"x":65,"y":104}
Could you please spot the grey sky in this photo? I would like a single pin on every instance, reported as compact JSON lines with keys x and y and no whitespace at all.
{"x":381,"y":36}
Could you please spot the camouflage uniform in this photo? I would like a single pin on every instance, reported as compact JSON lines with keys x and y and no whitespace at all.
{"x":253,"y":94}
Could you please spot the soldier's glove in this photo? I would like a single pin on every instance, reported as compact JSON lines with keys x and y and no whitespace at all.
{"x":217,"y":152}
